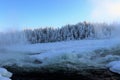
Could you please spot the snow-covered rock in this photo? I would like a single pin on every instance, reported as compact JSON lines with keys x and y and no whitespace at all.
{"x":4,"y":78}
{"x":4,"y":74}
{"x":114,"y":66}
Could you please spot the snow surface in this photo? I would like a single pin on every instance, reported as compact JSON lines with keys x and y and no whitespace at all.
{"x":4,"y":74}
{"x":77,"y":52}
{"x":114,"y":66}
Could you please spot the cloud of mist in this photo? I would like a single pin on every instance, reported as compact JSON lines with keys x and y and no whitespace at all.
{"x":105,"y":10}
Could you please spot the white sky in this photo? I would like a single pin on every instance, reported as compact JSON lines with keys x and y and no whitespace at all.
{"x":105,"y":10}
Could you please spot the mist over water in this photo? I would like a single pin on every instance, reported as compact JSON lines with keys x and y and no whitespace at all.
{"x":9,"y":38}
{"x":105,"y":31}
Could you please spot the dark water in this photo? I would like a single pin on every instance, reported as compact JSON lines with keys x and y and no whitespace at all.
{"x":84,"y":74}
{"x":104,"y":75}
{"x":50,"y":77}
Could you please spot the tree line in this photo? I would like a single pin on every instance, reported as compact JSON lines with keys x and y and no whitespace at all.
{"x":82,"y":30}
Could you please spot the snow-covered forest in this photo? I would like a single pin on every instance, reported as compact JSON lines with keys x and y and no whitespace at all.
{"x":78,"y":31}
{"x":69,"y":32}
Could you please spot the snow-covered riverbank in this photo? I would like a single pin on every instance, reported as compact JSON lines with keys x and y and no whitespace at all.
{"x":73,"y":54}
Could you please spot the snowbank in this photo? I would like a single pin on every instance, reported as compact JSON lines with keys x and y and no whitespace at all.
{"x":4,"y":74}
{"x":114,"y":66}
